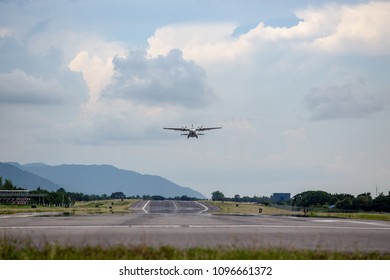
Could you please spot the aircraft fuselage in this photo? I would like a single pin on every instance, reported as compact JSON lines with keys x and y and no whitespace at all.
{"x":191,"y":133}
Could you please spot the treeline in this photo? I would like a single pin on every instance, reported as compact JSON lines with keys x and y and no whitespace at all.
{"x":307,"y":199}
{"x":62,"y":197}
{"x":121,"y":195}
{"x":321,"y":199}
{"x":362,"y":202}
{"x":219,"y":196}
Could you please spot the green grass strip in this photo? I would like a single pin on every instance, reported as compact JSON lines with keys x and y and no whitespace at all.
{"x":14,"y":250}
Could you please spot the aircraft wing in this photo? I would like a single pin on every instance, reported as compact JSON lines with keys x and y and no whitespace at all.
{"x":177,"y":128}
{"x":208,"y":128}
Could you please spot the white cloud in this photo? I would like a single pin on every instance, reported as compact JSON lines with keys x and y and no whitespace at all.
{"x":163,"y":80}
{"x":94,"y":61}
{"x":198,"y":41}
{"x":96,"y":71}
{"x":19,"y":87}
{"x":118,"y":121}
{"x":334,"y":28}
{"x":351,"y":100}
{"x":360,"y":29}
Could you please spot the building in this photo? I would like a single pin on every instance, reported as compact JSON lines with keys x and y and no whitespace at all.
{"x":280,"y":197}
{"x":19,"y":197}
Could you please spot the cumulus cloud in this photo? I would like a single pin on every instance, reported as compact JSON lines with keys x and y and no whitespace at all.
{"x":351,"y":100}
{"x":119,"y":121}
{"x":334,"y":28}
{"x":96,"y":71}
{"x":360,"y":29}
{"x":19,"y":87}
{"x":36,"y":78}
{"x":162,"y":80}
{"x":94,"y":60}
{"x":198,"y":41}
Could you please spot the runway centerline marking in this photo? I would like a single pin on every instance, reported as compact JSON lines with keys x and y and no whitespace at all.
{"x":351,"y":222}
{"x":174,"y":205}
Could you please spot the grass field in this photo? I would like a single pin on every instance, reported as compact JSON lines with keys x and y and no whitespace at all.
{"x":104,"y":206}
{"x":249,"y":209}
{"x":358,"y":215}
{"x":80,"y":208}
{"x":14,"y":250}
{"x":253,"y":209}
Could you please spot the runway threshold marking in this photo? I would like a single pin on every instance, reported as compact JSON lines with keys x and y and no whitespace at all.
{"x":204,"y":206}
{"x":144,"y":208}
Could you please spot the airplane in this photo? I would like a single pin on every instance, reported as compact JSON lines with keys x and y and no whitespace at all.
{"x":192,"y":132}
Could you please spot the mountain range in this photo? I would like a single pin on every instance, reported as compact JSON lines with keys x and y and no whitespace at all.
{"x":91,"y":179}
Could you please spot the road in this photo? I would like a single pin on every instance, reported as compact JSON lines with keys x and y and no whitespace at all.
{"x":187,"y":224}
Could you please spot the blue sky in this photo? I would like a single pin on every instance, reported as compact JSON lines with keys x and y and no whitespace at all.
{"x":301,"y":89}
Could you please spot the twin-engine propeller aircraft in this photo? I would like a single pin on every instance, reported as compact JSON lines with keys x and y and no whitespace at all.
{"x":192,"y":132}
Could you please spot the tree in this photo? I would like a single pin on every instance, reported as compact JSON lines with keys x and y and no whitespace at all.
{"x":120,"y":195}
{"x":313,"y":198}
{"x":217,"y":196}
{"x":157,"y":197}
{"x":345,"y":204}
{"x":8,"y":185}
{"x":381,"y":203}
{"x":364,"y":201}
{"x":59,"y":197}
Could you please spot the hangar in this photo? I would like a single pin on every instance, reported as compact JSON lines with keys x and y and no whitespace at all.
{"x":20,"y":197}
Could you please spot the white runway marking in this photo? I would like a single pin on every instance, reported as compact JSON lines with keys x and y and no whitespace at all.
{"x":366,"y":223}
{"x":28,"y":215}
{"x":16,"y":216}
{"x":174,"y":205}
{"x":144,"y":208}
{"x":349,"y":221}
{"x":204,"y":206}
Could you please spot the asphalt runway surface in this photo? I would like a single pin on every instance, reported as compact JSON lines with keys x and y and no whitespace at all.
{"x":187,"y":224}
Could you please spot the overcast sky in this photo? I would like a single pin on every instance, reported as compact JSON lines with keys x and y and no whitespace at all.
{"x":301,"y":88}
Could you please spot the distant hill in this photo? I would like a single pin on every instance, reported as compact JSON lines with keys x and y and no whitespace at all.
{"x":25,"y":179}
{"x":105,"y":179}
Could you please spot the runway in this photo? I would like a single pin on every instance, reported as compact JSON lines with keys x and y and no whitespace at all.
{"x":186,"y":224}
